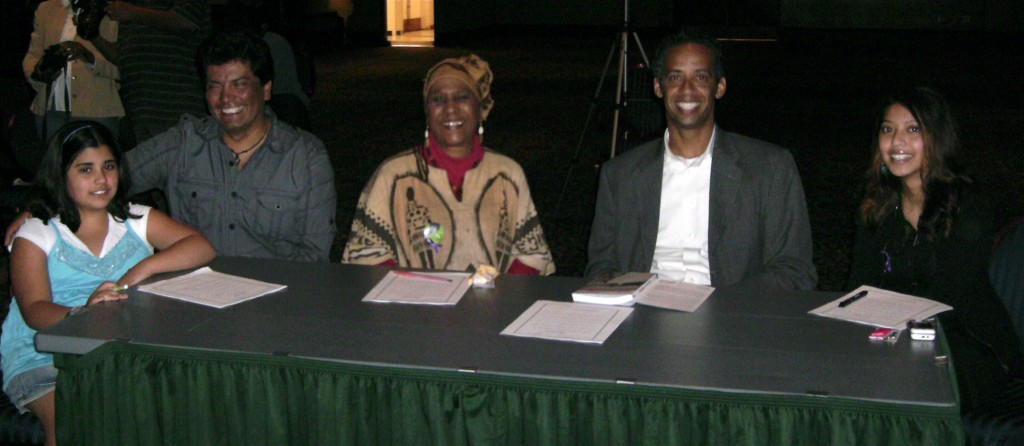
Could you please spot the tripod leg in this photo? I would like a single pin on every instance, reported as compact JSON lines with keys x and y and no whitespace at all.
{"x":586,"y":125}
{"x":604,"y":73}
{"x":643,"y":53}
{"x":623,"y":55}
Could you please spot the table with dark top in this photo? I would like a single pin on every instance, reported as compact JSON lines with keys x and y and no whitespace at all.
{"x":313,"y":364}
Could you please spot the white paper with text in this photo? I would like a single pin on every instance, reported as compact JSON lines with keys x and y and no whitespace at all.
{"x":205,"y":286}
{"x":680,"y":296}
{"x":394,"y":288}
{"x":564,"y":321}
{"x":882,"y":308}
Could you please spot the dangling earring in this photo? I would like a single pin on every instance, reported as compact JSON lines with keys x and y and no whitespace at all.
{"x":480,"y":130}
{"x":426,"y":137}
{"x":885,"y":169}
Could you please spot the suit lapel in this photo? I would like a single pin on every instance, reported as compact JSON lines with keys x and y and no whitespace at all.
{"x":647,"y":187}
{"x":725,"y":183}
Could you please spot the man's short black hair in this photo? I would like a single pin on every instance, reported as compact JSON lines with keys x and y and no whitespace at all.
{"x":240,"y":45}
{"x":682,"y":38}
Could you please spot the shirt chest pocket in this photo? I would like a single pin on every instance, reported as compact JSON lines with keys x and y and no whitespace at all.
{"x":276,"y":215}
{"x":198,"y":204}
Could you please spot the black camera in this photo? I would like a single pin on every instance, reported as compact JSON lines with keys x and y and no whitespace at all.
{"x":51,"y":64}
{"x":90,"y":13}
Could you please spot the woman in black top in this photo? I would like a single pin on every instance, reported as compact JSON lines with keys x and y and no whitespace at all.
{"x":923,"y":230}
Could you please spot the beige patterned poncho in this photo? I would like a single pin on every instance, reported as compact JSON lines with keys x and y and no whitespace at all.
{"x":495,"y":223}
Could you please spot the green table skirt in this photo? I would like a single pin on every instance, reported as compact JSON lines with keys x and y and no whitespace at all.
{"x":142,"y":395}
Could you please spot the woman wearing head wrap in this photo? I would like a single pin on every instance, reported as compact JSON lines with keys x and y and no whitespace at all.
{"x":450,"y":203}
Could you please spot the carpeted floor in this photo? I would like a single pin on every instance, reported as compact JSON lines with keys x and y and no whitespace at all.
{"x":812,"y":92}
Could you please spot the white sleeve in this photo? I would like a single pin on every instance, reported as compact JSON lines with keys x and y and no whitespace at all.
{"x":40,"y":234}
{"x":139,"y":225}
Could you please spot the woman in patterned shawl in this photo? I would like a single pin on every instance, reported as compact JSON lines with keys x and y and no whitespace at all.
{"x":450,"y":203}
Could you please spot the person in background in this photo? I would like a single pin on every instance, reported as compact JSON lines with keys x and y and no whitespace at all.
{"x":288,"y":99}
{"x":73,"y":78}
{"x":450,"y":203}
{"x":701,"y":205}
{"x":156,"y":51}
{"x":923,"y":229}
{"x":85,"y":241}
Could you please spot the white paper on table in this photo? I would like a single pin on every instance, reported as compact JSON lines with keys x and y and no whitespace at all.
{"x":409,"y":290}
{"x":205,"y":286}
{"x":680,"y":296}
{"x":882,"y":308}
{"x":565,"y":321}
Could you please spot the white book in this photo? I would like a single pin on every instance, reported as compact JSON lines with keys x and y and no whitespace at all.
{"x":614,"y":290}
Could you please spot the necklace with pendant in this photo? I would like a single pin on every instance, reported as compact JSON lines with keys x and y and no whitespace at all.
{"x":237,"y":160}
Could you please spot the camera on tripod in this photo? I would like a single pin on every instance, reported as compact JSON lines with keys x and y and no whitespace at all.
{"x":90,"y":13}
{"x":51,"y":64}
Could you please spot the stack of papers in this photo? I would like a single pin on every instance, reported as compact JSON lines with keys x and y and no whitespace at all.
{"x":205,"y":286}
{"x":881,"y":308}
{"x":407,"y":287}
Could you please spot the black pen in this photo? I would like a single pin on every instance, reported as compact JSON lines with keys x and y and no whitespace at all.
{"x":853,"y":299}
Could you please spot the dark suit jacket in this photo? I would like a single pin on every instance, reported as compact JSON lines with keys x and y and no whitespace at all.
{"x":758,"y":228}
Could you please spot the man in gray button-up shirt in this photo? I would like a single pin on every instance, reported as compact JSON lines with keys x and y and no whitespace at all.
{"x":252,"y":184}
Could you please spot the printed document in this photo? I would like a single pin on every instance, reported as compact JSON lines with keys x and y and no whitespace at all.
{"x":564,"y":321}
{"x":432,"y":288}
{"x":680,"y":296}
{"x":881,"y":308}
{"x":205,"y":286}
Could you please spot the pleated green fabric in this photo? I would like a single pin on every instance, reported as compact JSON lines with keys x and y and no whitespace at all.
{"x":143,"y":395}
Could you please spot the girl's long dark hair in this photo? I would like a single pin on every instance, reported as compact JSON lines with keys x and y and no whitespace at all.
{"x":942,"y":175}
{"x":65,"y":145}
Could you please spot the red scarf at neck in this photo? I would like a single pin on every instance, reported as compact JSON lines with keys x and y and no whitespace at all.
{"x":456,"y":167}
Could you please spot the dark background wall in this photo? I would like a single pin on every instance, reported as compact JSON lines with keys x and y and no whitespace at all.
{"x":456,"y":16}
{"x":366,"y":23}
{"x":963,"y":15}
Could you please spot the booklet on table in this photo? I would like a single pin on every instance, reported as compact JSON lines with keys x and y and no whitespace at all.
{"x":615,"y":290}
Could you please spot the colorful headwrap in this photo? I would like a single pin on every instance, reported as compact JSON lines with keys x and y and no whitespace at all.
{"x":472,"y":70}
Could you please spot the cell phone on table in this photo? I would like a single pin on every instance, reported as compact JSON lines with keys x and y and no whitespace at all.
{"x":922,"y":330}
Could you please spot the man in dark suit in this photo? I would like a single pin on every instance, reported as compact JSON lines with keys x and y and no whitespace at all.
{"x":702,"y":205}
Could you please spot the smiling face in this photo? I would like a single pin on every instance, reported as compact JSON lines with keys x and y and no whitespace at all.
{"x":236,"y":98}
{"x":453,"y":114}
{"x":689,"y":88}
{"x":92,"y":179}
{"x":901,"y":144}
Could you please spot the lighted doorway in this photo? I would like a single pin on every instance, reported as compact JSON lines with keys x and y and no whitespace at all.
{"x":410,"y":22}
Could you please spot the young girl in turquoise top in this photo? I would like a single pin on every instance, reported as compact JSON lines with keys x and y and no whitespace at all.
{"x":85,"y":242}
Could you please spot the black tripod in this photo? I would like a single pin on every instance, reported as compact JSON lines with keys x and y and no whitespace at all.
{"x":620,"y":46}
